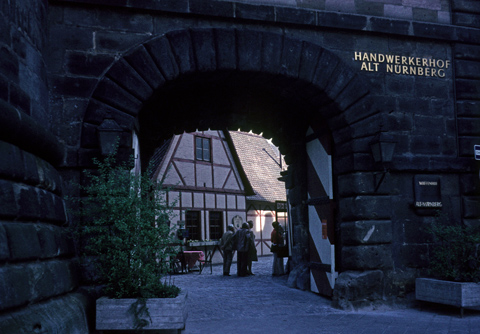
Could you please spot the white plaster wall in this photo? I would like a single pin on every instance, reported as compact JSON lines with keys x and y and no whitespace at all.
{"x":204,"y":175}
{"x":210,"y":201}
{"x":186,"y":148}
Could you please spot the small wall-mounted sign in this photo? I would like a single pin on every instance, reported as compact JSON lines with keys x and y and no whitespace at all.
{"x":427,"y":191}
{"x":281,"y":206}
{"x":476,"y":149}
{"x":237,"y":221}
{"x":324,"y":229}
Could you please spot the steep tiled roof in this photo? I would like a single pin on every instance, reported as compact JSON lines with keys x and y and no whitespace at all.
{"x":158,"y":155}
{"x":260,"y":160}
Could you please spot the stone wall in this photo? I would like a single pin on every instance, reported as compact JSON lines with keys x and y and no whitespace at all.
{"x":437,"y":11}
{"x":430,"y":118}
{"x":38,"y":277}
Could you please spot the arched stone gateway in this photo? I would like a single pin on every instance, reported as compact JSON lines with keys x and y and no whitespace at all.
{"x":294,"y":91}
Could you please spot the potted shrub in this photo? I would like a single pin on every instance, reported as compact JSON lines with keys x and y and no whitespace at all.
{"x":454,"y":266}
{"x":125,"y":232}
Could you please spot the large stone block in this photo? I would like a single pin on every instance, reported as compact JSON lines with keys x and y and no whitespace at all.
{"x":471,"y":207}
{"x":87,"y":64}
{"x":108,"y":41}
{"x":469,"y":126}
{"x":389,"y":26}
{"x":341,"y":20}
{"x":465,"y":51}
{"x":355,"y":289}
{"x":271,"y":57}
{"x":126,"y":21}
{"x":366,"y":232}
{"x":53,"y":241}
{"x":216,"y":8}
{"x":67,"y":314}
{"x":14,"y":286}
{"x":130,"y":80}
{"x":182,"y":47}
{"x":295,"y":15}
{"x":141,"y":61}
{"x":20,"y":99}
{"x":204,"y":45}
{"x":367,"y":257}
{"x":356,"y":184}
{"x":112,"y":94}
{"x":22,"y":241}
{"x":291,"y":57}
{"x":73,"y":86}
{"x":4,"y":250}
{"x":299,"y":277}
{"x":163,"y":56}
{"x":11,"y":164}
{"x":467,"y":89}
{"x":413,"y":255}
{"x":254,"y":12}
{"x":249,"y":50}
{"x":365,"y":207}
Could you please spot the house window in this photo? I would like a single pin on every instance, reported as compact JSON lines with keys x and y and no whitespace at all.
{"x":202,"y":149}
{"x":216,"y":224}
{"x":192,"y":224}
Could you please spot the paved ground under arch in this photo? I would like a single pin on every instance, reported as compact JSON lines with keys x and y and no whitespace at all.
{"x":265,"y":304}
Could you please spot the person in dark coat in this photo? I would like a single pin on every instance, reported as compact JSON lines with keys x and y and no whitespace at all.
{"x":252,"y":250}
{"x":241,"y":242}
{"x":226,"y":245}
{"x":277,"y":240}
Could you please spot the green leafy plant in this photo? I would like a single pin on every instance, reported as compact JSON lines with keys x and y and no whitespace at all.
{"x":125,"y":230}
{"x":455,"y":252}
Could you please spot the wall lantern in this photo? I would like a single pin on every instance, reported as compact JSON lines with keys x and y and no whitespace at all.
{"x":382,"y":148}
{"x":108,"y":135}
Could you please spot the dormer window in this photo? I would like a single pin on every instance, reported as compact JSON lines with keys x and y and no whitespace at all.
{"x":202,"y":149}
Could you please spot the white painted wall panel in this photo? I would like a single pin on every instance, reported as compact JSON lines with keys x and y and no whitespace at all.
{"x":241,"y":203}
{"x":172,"y":178}
{"x":231,"y":201}
{"x":187,"y":170}
{"x":221,"y":201}
{"x":204,"y":176}
{"x":210,"y":201}
{"x":186,"y":147}
{"x":198,"y":200}
{"x":186,"y":199}
{"x":172,"y":197}
{"x":232,"y":183}
{"x":219,"y":154}
{"x":220,"y":176}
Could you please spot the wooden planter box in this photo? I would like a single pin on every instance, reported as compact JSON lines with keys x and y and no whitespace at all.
{"x":459,"y":294}
{"x":165,"y":313}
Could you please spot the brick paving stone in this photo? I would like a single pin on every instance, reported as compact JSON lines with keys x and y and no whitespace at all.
{"x":265,"y":304}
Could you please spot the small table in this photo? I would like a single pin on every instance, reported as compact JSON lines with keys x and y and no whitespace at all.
{"x":190,"y":258}
{"x":209,"y":247}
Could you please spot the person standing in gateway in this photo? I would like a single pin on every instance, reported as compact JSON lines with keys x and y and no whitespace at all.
{"x":226,"y":245}
{"x":241,"y":242}
{"x":277,"y":240}
{"x":252,"y":250}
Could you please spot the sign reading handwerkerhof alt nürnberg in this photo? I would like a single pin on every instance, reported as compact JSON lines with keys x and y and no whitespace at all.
{"x":427,"y":192}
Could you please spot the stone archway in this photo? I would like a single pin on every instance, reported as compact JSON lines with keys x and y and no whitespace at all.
{"x":261,"y":68}
{"x":314,"y":75}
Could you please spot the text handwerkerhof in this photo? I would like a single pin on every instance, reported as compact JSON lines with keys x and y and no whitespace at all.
{"x":402,"y":65}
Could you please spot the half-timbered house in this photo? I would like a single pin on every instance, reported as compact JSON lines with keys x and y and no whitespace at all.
{"x":218,"y":178}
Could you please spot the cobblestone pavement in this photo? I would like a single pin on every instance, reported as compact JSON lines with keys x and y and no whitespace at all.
{"x":265,"y":304}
